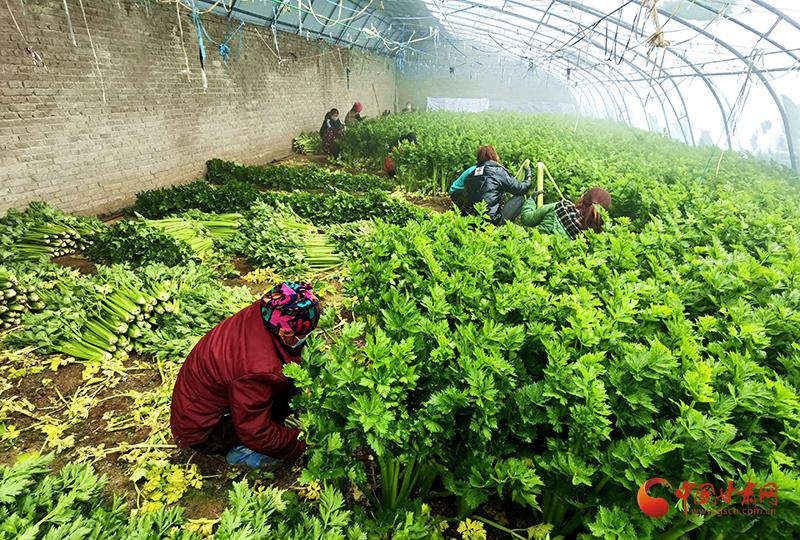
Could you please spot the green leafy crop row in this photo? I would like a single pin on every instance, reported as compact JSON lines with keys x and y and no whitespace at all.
{"x":70,"y":505}
{"x":560,"y":375}
{"x":643,"y":171}
{"x":292,"y":177}
{"x":234,"y":196}
{"x":197,"y":195}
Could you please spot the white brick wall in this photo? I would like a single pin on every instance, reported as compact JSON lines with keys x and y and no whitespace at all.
{"x":60,"y":143}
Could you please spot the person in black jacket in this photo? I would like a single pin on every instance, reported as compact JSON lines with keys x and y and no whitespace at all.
{"x":490,"y":182}
{"x":332,"y":128}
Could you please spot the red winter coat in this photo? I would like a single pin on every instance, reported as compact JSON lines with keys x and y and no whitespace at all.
{"x":388,"y":165}
{"x":237,"y":368}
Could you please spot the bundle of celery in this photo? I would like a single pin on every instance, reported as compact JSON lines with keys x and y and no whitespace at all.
{"x":155,"y":309}
{"x":171,"y":241}
{"x":219,"y":226}
{"x":199,"y":230}
{"x":15,"y":299}
{"x":44,"y":231}
{"x":350,"y":238}
{"x":51,"y":239}
{"x":200,"y":303}
{"x":137,"y":243}
{"x":307,"y":143}
{"x":320,"y":252}
{"x":124,"y":309}
{"x":186,"y":231}
{"x":276,"y":237}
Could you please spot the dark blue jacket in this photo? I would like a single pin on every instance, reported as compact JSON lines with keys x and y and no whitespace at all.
{"x":489,"y":183}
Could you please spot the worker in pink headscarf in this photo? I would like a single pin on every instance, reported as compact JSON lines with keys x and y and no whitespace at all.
{"x":354,"y":115}
{"x":231,"y":397}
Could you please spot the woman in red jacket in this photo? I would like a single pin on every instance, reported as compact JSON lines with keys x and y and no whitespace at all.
{"x":231,"y":397}
{"x":388,"y":163}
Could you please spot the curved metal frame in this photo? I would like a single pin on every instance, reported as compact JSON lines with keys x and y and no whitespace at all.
{"x":619,"y":110}
{"x":580,"y":7}
{"x":629,"y":63}
{"x":575,"y":5}
{"x":760,"y":75}
{"x":401,"y":32}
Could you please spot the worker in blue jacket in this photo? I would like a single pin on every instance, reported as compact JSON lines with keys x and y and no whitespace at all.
{"x":489,"y":181}
{"x":457,"y":188}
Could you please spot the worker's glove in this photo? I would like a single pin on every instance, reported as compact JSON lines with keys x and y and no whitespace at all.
{"x":527,"y":172}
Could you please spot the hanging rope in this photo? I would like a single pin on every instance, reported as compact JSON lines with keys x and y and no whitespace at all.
{"x":183,"y":44}
{"x":69,"y":25}
{"x":275,"y":14}
{"x":276,"y":55}
{"x":657,"y":39}
{"x":225,"y":49}
{"x":94,"y":52}
{"x":35,"y":56}
{"x":199,"y":31}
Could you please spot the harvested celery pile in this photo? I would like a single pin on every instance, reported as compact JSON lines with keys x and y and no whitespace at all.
{"x":42,"y":231}
{"x":275,"y":236}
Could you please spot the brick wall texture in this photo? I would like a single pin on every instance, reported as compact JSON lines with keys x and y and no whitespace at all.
{"x":61,"y":143}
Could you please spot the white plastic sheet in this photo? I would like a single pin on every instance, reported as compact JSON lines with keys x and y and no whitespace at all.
{"x":458,"y":104}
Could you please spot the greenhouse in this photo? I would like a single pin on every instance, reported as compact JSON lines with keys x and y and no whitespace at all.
{"x":399,"y":269}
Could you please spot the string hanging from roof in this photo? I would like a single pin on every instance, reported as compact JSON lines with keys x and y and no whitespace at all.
{"x":69,"y":25}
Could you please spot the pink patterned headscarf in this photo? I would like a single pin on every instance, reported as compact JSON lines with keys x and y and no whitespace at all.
{"x":290,"y":309}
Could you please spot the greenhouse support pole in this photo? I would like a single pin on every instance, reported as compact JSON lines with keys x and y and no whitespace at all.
{"x":786,"y":125}
{"x":623,"y":24}
{"x":540,"y":184}
{"x":627,"y":62}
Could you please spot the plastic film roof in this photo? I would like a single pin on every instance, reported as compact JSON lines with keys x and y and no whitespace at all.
{"x":716,"y":72}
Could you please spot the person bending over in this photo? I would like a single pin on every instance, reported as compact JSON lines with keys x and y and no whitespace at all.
{"x":388,"y":163}
{"x":332,"y":128}
{"x":489,"y":182}
{"x":354,"y":115}
{"x":457,"y":188}
{"x":565,"y":217}
{"x":231,"y":397}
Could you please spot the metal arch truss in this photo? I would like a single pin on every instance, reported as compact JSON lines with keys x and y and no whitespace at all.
{"x":621,"y":111}
{"x":728,"y":47}
{"x":611,"y":18}
{"x":687,"y":139}
{"x":250,"y":11}
{"x":572,"y":3}
{"x":395,"y":29}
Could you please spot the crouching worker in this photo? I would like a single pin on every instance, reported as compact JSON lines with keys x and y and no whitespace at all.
{"x":489,"y":182}
{"x":457,"y":188}
{"x":231,"y":397}
{"x":565,"y":217}
{"x":388,"y":163}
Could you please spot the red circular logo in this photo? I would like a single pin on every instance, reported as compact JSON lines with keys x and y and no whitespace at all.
{"x":655,"y":507}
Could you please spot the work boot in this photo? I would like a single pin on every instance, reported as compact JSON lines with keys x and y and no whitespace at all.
{"x":241,"y":455}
